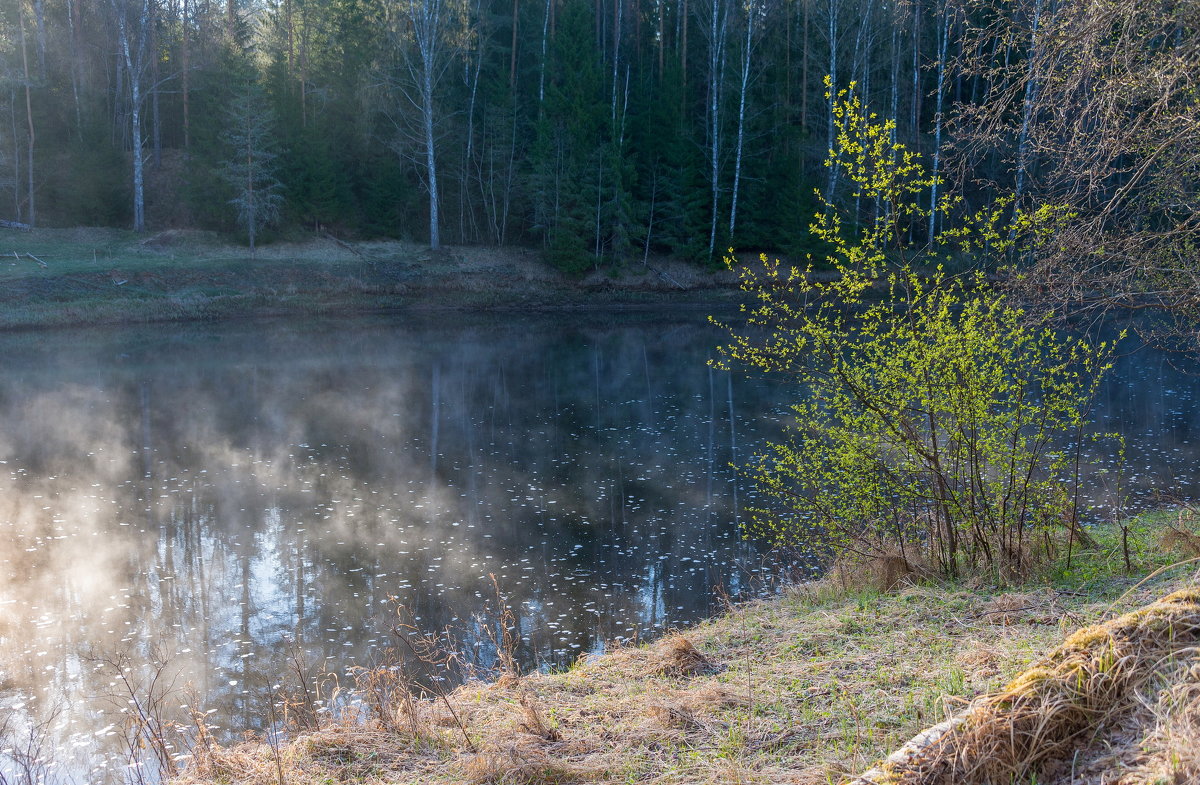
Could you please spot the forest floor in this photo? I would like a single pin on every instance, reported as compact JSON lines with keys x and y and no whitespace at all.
{"x":83,"y":276}
{"x":812,"y":686}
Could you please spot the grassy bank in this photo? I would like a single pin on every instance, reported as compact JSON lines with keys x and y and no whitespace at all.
{"x":93,"y":276}
{"x":808,"y":687}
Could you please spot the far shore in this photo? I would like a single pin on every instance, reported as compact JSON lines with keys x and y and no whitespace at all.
{"x":93,"y":276}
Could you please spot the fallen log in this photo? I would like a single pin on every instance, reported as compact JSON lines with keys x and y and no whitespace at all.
{"x":17,"y":256}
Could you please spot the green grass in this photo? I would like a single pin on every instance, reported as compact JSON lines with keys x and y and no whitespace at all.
{"x":1100,"y":571}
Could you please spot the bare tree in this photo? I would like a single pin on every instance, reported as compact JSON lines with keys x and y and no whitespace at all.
{"x":943,"y":41}
{"x":716,"y":29}
{"x":471,"y":170}
{"x":185,"y":47}
{"x":1027,"y":106}
{"x":542,"y":67}
{"x":1096,"y":111}
{"x":833,"y":8}
{"x":28,"y":84}
{"x":752,"y":12}
{"x":135,"y":52}
{"x":428,"y":33}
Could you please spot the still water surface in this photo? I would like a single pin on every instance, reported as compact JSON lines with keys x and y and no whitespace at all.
{"x":227,"y":494}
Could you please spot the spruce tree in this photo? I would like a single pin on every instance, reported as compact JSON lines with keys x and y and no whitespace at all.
{"x":250,"y":168}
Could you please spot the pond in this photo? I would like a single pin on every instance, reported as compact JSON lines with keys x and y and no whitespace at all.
{"x":233,"y":496}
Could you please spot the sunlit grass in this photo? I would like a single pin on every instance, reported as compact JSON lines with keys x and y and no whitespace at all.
{"x":810,"y":686}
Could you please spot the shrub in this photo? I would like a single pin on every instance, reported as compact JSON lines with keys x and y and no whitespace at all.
{"x":936,"y":417}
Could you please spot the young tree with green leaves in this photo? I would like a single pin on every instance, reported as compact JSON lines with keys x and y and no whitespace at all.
{"x":250,"y":168}
{"x":934,"y":419}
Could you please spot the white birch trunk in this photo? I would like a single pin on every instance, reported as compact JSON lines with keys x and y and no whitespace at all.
{"x":895,"y":103}
{"x":186,"y":67}
{"x":744,"y":75}
{"x":864,"y":81}
{"x":39,"y":16}
{"x":650,"y":223}
{"x":16,"y":155}
{"x":435,"y":241}
{"x":134,"y":65}
{"x":465,"y":208}
{"x":943,"y":40}
{"x":251,"y":201}
{"x":831,"y":182}
{"x":599,"y":195}
{"x":716,"y":44}
{"x":1027,"y":109}
{"x":75,"y":76}
{"x":616,"y":59}
{"x":29,"y":121}
{"x":916,"y":71}
{"x":426,"y":19}
{"x":545,"y":38}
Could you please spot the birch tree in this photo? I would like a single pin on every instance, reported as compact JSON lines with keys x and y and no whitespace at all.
{"x":1028,"y":103}
{"x":425,"y":30}
{"x":29,"y":118}
{"x":750,"y":20}
{"x":943,"y":43}
{"x":135,"y":54}
{"x":716,"y":31}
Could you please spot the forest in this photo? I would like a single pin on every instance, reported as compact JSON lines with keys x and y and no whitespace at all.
{"x":599,"y":132}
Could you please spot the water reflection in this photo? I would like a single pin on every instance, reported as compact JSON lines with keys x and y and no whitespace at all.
{"x":1150,"y":399}
{"x":222,"y":494}
{"x":219,"y":492}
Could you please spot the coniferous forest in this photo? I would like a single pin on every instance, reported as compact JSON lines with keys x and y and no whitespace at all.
{"x":598,"y":132}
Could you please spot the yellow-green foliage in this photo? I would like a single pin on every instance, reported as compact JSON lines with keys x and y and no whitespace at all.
{"x":933,"y":413}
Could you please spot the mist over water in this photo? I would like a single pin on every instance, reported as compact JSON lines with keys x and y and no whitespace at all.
{"x":223,"y":495}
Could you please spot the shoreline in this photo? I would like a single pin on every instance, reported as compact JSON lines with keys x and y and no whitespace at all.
{"x":814,"y":685}
{"x":85,"y":277}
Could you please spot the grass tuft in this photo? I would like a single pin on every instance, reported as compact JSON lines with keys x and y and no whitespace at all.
{"x":517,"y":762}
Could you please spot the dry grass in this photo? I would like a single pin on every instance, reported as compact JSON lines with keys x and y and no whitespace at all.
{"x":805,"y":688}
{"x":814,"y":686}
{"x":884,"y":572}
{"x":1182,"y":540}
{"x":517,"y":762}
{"x":1077,"y":703}
{"x":674,"y":655}
{"x":1037,"y":607}
{"x":1156,"y":744}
